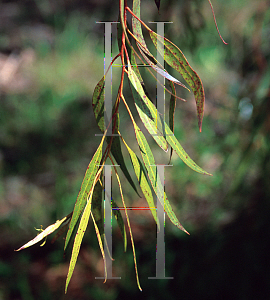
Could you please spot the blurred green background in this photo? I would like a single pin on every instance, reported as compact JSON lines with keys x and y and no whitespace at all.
{"x":51,"y":58}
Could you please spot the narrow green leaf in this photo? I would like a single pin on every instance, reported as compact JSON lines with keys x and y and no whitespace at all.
{"x":150,"y":117}
{"x":142,"y":178}
{"x":116,"y":151}
{"x":130,"y":232}
{"x":176,"y":59}
{"x":96,"y":209}
{"x":136,"y":26}
{"x":50,"y":229}
{"x":172,"y":111}
{"x":157,"y":186}
{"x":81,"y":230}
{"x":171,"y":139}
{"x":137,"y":31}
{"x":135,"y":67}
{"x":98,"y":103}
{"x":120,"y":222}
{"x":84,"y":191}
{"x":100,"y":245}
{"x":97,"y":200}
{"x":98,"y":108}
{"x":172,"y":106}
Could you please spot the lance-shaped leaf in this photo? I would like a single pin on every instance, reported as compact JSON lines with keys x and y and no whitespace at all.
{"x":150,"y":118}
{"x":144,"y":184}
{"x":157,"y":186}
{"x":176,"y":59}
{"x":172,"y":111}
{"x":150,"y":59}
{"x":50,"y":229}
{"x":136,"y":26}
{"x":171,"y":139}
{"x":84,"y":190}
{"x":174,"y":143}
{"x":96,"y":208}
{"x":148,"y":105}
{"x":81,"y":230}
{"x":130,"y":232}
{"x":97,"y":201}
{"x":172,"y":106}
{"x":117,"y":153}
{"x":135,"y":67}
{"x":98,"y":108}
{"x":160,"y":71}
{"x":98,"y":103}
{"x":120,"y":222}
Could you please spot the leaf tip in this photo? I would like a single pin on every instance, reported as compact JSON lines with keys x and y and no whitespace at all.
{"x":185,"y":231}
{"x":200,"y":123}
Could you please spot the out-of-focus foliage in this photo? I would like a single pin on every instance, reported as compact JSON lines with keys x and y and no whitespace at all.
{"x":47,"y":75}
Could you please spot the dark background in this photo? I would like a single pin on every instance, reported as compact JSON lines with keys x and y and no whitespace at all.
{"x":51,"y":58}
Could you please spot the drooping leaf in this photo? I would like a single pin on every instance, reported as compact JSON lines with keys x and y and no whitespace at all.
{"x":144,"y":184}
{"x":96,"y":209}
{"x":98,"y":108}
{"x":172,"y":111}
{"x":135,"y":67}
{"x":174,"y":143}
{"x":120,"y":222}
{"x":81,"y":230}
{"x":157,"y":4}
{"x":84,"y":190}
{"x":100,"y":245}
{"x":150,"y":118}
{"x":136,"y":26}
{"x":117,"y":154}
{"x":130,"y":232}
{"x":137,"y":31}
{"x":97,"y":200}
{"x":176,"y":59}
{"x":157,"y":186}
{"x":43,"y":233}
{"x":160,"y":71}
{"x":98,"y":103}
{"x":61,"y":231}
{"x":172,"y":106}
{"x":171,"y":139}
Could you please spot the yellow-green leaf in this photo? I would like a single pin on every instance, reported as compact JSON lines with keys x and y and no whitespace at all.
{"x":98,"y":108}
{"x":130,"y":232}
{"x":81,"y":230}
{"x":144,"y":184}
{"x":157,"y":186}
{"x":150,"y":117}
{"x":174,"y":143}
{"x":171,"y":139}
{"x":84,"y":190}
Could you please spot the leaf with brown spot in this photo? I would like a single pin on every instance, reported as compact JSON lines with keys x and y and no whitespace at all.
{"x":176,"y":59}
